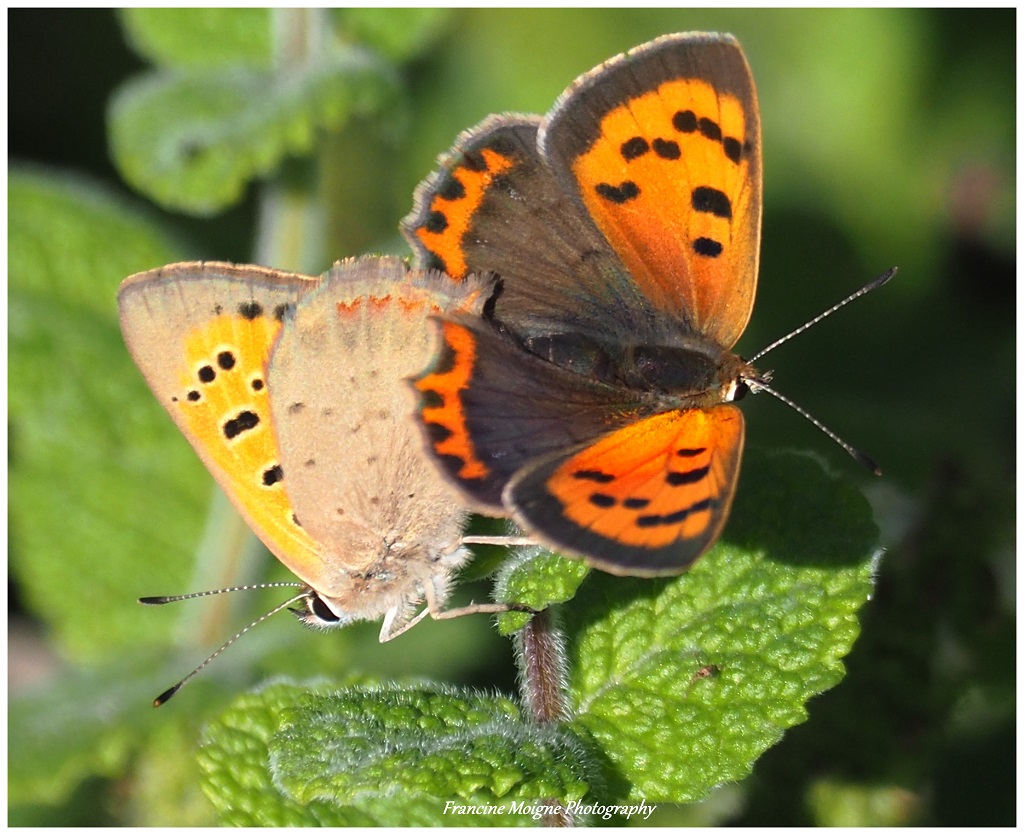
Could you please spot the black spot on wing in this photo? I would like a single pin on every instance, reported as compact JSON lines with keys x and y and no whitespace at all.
{"x":633,"y":148}
{"x":242,"y":422}
{"x":623,"y":193}
{"x":707,"y":247}
{"x":677,"y":517}
{"x":676,"y":479}
{"x":250,"y":310}
{"x":711,"y":201}
{"x":436,"y":222}
{"x":666,"y":148}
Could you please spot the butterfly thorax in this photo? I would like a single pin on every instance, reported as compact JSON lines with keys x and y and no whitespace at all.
{"x":692,"y":373}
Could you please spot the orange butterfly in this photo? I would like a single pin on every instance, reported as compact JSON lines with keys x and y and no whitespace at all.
{"x":594,"y":401}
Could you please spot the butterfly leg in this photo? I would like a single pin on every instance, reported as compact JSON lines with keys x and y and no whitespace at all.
{"x":437,"y":613}
{"x":396,"y":622}
{"x":507,"y":541}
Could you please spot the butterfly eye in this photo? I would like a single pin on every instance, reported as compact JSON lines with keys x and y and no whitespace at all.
{"x":740,"y":391}
{"x":315,"y":612}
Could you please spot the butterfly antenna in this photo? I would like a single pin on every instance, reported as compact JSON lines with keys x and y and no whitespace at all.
{"x":174,"y":598}
{"x":757,"y":385}
{"x":863,"y":291}
{"x":158,"y":601}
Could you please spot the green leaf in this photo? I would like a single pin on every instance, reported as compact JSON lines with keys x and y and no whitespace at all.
{"x":536,"y":578}
{"x":201,"y":38}
{"x":88,"y":442}
{"x":398,"y":34}
{"x":684,"y":682}
{"x":386,"y":755}
{"x":192,"y":142}
{"x":234,"y":761}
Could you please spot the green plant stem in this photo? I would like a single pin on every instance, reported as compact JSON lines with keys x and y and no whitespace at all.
{"x":291,"y":218}
{"x":540,"y":652}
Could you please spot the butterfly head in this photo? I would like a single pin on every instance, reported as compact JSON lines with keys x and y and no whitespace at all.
{"x":319,"y":612}
{"x":359,"y":596}
{"x":367,"y":584}
{"x":693,"y":375}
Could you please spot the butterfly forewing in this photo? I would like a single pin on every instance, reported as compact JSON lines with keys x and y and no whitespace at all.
{"x":202,"y":333}
{"x":662,"y":146}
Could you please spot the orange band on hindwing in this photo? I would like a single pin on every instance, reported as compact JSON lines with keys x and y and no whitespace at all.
{"x":453,"y":205}
{"x":442,"y":410}
{"x":648,"y":498}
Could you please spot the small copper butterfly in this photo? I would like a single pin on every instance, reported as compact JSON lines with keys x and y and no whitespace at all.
{"x":594,"y":401}
{"x":293,"y":392}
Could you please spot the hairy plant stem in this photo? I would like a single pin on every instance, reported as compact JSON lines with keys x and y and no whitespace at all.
{"x":540,"y":655}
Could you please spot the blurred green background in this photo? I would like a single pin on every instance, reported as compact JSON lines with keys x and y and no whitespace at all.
{"x":889,"y":139}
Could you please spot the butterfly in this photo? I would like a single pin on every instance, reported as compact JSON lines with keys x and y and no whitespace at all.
{"x":594,"y":402}
{"x":293,"y":392}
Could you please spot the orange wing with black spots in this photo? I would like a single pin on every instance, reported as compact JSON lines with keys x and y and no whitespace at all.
{"x":202,"y":334}
{"x":663,"y":148}
{"x":647,"y":499}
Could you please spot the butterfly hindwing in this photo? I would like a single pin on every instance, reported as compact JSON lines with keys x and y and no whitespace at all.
{"x":646,"y":499}
{"x":489,"y":407}
{"x":662,"y":146}
{"x":352,"y":457}
{"x":468,"y":186}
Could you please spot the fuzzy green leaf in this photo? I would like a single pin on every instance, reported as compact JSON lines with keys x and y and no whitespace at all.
{"x":201,"y":38}
{"x":384,"y":755}
{"x":684,"y":682}
{"x":234,"y":761}
{"x":88,"y":441}
{"x":536,"y":578}
{"x":192,"y":142}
